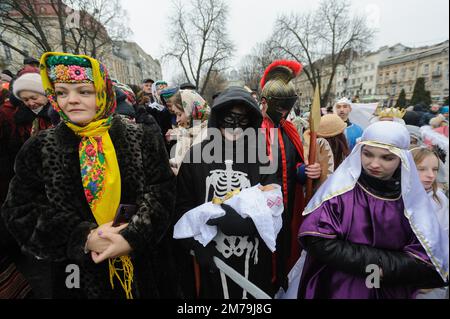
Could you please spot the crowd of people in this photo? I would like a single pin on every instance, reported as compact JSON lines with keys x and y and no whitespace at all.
{"x":152,"y":192}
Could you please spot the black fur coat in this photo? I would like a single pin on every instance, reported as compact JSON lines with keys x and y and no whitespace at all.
{"x":47,"y":213}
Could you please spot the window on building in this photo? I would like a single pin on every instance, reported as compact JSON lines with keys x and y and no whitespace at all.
{"x":370,"y":91}
{"x":438,"y":68}
{"x":437,"y":84}
{"x":372,"y":66}
{"x":353,"y":82}
{"x":426,"y":69}
{"x":371,"y":78}
{"x":365,"y":79}
{"x":394,"y":90}
{"x":8,"y":54}
{"x":366,"y":67}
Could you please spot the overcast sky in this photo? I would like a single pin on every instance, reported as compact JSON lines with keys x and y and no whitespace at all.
{"x":411,"y":22}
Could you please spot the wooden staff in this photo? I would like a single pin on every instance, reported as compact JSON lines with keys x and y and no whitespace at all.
{"x":314,"y":122}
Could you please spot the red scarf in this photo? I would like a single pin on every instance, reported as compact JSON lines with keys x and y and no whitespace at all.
{"x":289,"y":129}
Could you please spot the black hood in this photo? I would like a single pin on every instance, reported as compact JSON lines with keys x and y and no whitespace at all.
{"x":230,"y":97}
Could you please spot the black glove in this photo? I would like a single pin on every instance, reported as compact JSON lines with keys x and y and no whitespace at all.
{"x":232,"y":224}
{"x":398,"y":268}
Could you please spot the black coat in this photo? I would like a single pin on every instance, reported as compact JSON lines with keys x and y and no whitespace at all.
{"x":47,"y":212}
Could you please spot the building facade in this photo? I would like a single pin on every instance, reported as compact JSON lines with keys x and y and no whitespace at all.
{"x":357,"y":78}
{"x":305,"y":90}
{"x":126,"y":61}
{"x":130,"y":64}
{"x":400,"y":72}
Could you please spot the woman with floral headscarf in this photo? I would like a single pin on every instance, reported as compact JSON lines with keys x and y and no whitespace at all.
{"x":191,"y":112}
{"x":74,"y":180}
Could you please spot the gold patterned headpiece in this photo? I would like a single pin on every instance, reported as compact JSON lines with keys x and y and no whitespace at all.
{"x":390,"y":112}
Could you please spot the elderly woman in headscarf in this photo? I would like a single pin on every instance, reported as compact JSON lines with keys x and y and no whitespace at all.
{"x":96,"y":191}
{"x":191,"y":112}
{"x":156,"y":109}
{"x":365,"y":228}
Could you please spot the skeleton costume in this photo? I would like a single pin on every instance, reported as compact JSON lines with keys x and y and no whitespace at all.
{"x":200,"y":182}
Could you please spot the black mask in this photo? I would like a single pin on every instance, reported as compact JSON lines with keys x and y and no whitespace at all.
{"x":275,"y":107}
{"x":234,"y":120}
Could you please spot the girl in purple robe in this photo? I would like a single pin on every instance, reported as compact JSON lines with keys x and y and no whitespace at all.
{"x":369,"y":233}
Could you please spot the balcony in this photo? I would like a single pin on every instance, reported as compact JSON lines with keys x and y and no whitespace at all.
{"x":436,"y":74}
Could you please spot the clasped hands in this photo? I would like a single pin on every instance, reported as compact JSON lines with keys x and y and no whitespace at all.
{"x":105,"y":242}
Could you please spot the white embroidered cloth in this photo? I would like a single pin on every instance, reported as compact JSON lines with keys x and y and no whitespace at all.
{"x":263,"y":207}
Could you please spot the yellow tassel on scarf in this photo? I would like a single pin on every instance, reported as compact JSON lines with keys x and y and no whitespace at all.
{"x":128,"y":273}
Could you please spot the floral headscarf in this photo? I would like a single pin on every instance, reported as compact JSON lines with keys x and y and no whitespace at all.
{"x":59,"y":67}
{"x":194,"y":106}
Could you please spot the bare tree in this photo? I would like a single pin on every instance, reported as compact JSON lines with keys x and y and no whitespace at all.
{"x":45,"y":24}
{"x":321,"y":40}
{"x":101,"y":22}
{"x":216,"y":84}
{"x":252,"y":66}
{"x":199,"y":41}
{"x":21,"y":18}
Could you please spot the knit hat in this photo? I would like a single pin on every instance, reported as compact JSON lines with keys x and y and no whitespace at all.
{"x":28,"y":82}
{"x":167,"y":93}
{"x":444,"y":109}
{"x":331,"y":125}
{"x":69,"y":69}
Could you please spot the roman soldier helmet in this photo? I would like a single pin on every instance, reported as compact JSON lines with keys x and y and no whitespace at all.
{"x":277,"y":88}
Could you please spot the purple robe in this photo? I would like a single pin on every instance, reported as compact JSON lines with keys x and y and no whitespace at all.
{"x":360,"y":218}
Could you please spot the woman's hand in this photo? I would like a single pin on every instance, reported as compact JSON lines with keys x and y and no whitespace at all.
{"x":96,"y":243}
{"x":118,"y":246}
{"x":171,"y":135}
